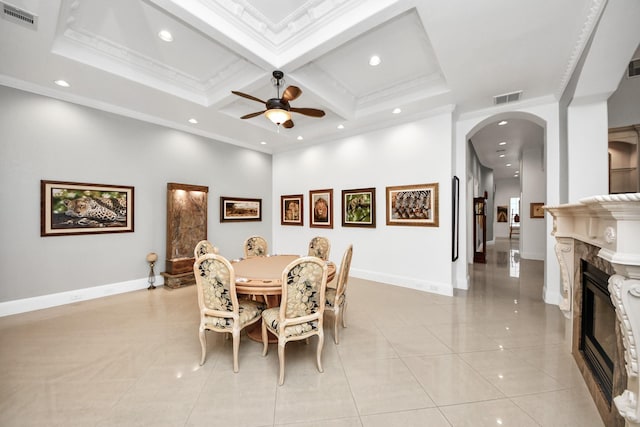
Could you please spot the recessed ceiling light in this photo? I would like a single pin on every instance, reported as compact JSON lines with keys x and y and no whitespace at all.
{"x":503,"y":143}
{"x":396,"y":111}
{"x":194,"y":121}
{"x":502,"y":123}
{"x":62,"y":83}
{"x":340,"y":126}
{"x":165,"y":35}
{"x":508,"y":165}
{"x":263,"y":143}
{"x":300,"y":138}
{"x":374,"y":61}
{"x":501,"y":155}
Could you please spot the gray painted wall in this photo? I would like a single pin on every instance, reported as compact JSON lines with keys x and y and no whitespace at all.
{"x":43,"y":138}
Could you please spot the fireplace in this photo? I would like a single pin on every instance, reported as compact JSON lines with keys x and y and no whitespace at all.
{"x":598,"y":251}
{"x":597,"y":332}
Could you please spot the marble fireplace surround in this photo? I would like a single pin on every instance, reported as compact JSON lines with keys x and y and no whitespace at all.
{"x":605,"y":230}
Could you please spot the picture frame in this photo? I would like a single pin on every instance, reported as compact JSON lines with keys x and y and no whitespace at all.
{"x":321,"y":208}
{"x":68,"y":208}
{"x":455,"y":218}
{"x":359,"y":207}
{"x":536,"y":210}
{"x":413,"y":205}
{"x":291,"y":210}
{"x":502,"y":214}
{"x":237,"y":209}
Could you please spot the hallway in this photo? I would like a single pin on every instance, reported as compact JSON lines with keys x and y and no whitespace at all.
{"x":495,"y":355}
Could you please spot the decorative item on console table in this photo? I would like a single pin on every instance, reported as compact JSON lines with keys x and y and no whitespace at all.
{"x":186,"y":226}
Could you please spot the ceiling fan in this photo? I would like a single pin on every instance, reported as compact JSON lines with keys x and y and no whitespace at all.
{"x":278,"y":109}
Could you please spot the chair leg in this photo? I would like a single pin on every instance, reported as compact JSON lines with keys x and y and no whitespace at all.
{"x":236,"y":346}
{"x":319,"y":351}
{"x":343,"y":311}
{"x":336,"y":320}
{"x":203,"y":344}
{"x":281,"y":360}
{"x":265,"y":339}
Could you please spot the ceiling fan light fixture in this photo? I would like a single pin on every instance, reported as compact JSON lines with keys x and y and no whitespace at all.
{"x":278,"y":116}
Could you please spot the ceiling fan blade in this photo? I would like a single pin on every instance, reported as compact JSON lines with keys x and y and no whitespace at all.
{"x":257,"y":113}
{"x":291,"y":93}
{"x":308,"y":111}
{"x":288,"y":124}
{"x":251,"y":97}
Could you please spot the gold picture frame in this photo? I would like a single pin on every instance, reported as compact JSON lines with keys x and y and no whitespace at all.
{"x":414,"y":205}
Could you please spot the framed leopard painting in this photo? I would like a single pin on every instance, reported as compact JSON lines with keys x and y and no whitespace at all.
{"x":80,"y":208}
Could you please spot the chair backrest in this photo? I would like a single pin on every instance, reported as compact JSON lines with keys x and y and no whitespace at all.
{"x":304,"y":282}
{"x":255,"y":246}
{"x":319,"y":247}
{"x":216,"y":287}
{"x":343,"y":274}
{"x":204,"y":247}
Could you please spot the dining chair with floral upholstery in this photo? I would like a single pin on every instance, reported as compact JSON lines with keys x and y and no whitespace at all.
{"x":320,"y":247}
{"x":336,"y":298}
{"x":255,"y":246}
{"x":220,"y":309}
{"x":299,"y":315}
{"x":204,"y":247}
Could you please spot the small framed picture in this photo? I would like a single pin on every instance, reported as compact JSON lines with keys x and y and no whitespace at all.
{"x":503,"y":214}
{"x":291,"y":210}
{"x":321,"y":208}
{"x":359,"y":207}
{"x":233,"y":209}
{"x":536,"y":210}
{"x":413,"y":205}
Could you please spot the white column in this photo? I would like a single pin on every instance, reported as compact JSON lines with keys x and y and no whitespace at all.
{"x":588,"y":139}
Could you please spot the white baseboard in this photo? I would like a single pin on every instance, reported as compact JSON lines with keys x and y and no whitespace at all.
{"x":532,"y":256}
{"x":52,"y":300}
{"x":405,"y":282}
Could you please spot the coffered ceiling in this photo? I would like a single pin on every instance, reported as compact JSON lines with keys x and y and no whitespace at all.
{"x":435,"y":56}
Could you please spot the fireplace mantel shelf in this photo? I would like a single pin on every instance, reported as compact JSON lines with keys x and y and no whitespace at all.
{"x":610,"y":224}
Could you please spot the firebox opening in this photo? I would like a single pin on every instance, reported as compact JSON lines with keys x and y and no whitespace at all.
{"x":598,"y":339}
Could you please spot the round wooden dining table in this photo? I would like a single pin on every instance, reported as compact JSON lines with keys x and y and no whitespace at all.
{"x":262,"y":276}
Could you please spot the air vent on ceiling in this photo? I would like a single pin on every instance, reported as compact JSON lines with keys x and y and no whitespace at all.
{"x":19,"y":16}
{"x":507,"y":97}
{"x":634,"y":68}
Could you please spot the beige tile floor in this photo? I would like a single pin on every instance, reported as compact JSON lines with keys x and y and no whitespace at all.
{"x":495,"y":355}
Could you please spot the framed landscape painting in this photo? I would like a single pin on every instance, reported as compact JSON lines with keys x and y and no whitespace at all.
{"x":234,"y":209}
{"x":291,"y":210}
{"x":413,"y":205}
{"x":359,"y":207}
{"x":80,"y":208}
{"x":321,"y":208}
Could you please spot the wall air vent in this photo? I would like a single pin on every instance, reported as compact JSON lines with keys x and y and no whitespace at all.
{"x":634,"y":68}
{"x":507,"y":97}
{"x":19,"y":16}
